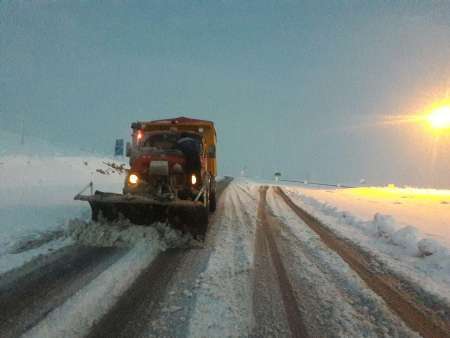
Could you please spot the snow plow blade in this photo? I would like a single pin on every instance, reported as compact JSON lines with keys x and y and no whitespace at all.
{"x":187,"y":216}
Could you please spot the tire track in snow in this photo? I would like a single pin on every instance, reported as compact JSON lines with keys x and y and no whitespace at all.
{"x":28,"y":299}
{"x":414,"y":315}
{"x":134,"y":311}
{"x":223,"y":306}
{"x":274,"y":296}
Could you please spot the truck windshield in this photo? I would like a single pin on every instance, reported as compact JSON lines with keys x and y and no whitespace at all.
{"x":163,"y":141}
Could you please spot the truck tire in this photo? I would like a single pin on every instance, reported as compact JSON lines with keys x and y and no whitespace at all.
{"x":212,"y":201}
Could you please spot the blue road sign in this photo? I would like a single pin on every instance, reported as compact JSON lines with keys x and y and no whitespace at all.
{"x":118,"y":150}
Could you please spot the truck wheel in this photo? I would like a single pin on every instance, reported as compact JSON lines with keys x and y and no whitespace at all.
{"x":212,"y":201}
{"x":95,"y":213}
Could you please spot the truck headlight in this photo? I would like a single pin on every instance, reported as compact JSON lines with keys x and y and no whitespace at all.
{"x":193,"y":179}
{"x":133,"y":179}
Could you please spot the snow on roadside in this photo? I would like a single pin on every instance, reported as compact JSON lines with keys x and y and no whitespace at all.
{"x":223,"y":305}
{"x":428,"y":210}
{"x":404,"y":249}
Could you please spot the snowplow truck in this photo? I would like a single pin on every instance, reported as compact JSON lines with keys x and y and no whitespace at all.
{"x":171,"y":178}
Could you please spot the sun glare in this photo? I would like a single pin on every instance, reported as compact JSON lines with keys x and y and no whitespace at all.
{"x":440,"y":118}
{"x":391,"y":192}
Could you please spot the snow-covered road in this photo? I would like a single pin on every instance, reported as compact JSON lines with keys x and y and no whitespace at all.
{"x":266,"y":269}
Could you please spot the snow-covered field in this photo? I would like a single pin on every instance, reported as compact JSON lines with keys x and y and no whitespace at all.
{"x":37,"y":184}
{"x":36,"y":193}
{"x":407,"y":229}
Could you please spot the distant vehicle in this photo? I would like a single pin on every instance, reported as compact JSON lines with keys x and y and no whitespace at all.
{"x":172,"y":176}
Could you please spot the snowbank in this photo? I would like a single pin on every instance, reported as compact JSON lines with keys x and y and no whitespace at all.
{"x":414,"y":254}
{"x":428,"y":210}
{"x":381,"y":225}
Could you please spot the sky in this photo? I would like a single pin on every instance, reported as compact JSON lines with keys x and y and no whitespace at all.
{"x":300,"y":87}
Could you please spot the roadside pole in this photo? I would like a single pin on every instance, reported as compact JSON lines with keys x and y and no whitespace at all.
{"x":22,"y":132}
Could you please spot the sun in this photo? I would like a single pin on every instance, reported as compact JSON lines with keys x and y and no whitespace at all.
{"x":439,"y":118}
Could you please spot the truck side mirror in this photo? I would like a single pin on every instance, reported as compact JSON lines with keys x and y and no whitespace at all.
{"x":212,"y":151}
{"x":128,"y":151}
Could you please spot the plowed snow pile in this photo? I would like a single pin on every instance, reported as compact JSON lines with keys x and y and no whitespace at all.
{"x":126,"y":235}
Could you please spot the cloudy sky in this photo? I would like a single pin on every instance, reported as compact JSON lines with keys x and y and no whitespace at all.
{"x":297,"y":86}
